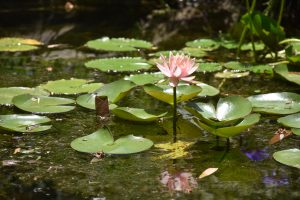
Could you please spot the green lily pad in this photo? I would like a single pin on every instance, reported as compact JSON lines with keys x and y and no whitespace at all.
{"x":194,"y":52}
{"x":72,"y":86}
{"x":247,"y":67}
{"x":228,"y":110}
{"x":7,"y":94}
{"x":296,"y":131}
{"x":292,"y":121}
{"x":290,"y":157}
{"x":88,"y":101}
{"x":259,"y":46}
{"x":143,"y":79}
{"x":118,"y":44}
{"x":119,"y":64}
{"x":207,"y":90}
{"x":18,"y":44}
{"x":283,"y":71}
{"x":24,"y":123}
{"x":165,"y":92}
{"x":228,"y":74}
{"x":276,"y":103}
{"x":114,"y":91}
{"x":204,"y":44}
{"x":230,"y":131}
{"x":102,"y":141}
{"x":136,"y":114}
{"x":209,"y":67}
{"x":42,"y":104}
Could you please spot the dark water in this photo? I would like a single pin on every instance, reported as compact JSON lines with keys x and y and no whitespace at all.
{"x":52,"y":170}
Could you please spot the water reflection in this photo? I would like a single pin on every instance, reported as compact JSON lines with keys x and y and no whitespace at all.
{"x":257,"y":154}
{"x":275,"y":178}
{"x":179,"y":181}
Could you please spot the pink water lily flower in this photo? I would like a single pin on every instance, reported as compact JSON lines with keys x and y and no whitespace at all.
{"x":177,"y":67}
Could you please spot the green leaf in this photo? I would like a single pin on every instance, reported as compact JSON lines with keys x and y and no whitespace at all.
{"x":231,"y":74}
{"x":296,"y":131}
{"x":102,"y":141}
{"x":265,"y":28}
{"x":276,"y":103}
{"x":143,"y":79}
{"x":18,"y":44}
{"x":247,"y":67}
{"x":259,"y":46}
{"x":114,"y":91}
{"x":290,"y":157}
{"x":227,"y":111}
{"x":118,"y":44}
{"x":283,"y":71}
{"x":88,"y":101}
{"x":204,"y":44}
{"x":194,"y":52}
{"x":119,"y":64}
{"x":209,"y":67}
{"x":24,"y":123}
{"x":7,"y":94}
{"x":207,"y":90}
{"x":165,"y":92}
{"x":292,"y":121}
{"x":230,"y":131}
{"x":72,"y":86}
{"x":42,"y":104}
{"x":136,"y":114}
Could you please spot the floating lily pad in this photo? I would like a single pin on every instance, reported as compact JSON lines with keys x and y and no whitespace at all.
{"x":248,"y":67}
{"x":296,"y":131}
{"x":228,"y":110}
{"x":7,"y":94}
{"x":204,"y":44}
{"x":259,"y":46}
{"x":119,"y":64}
{"x":72,"y":86}
{"x":207,"y":90}
{"x":194,"y":52}
{"x":165,"y":92}
{"x":228,"y":74}
{"x":143,"y":79}
{"x":283,"y":71}
{"x":292,"y":121}
{"x":42,"y":104}
{"x":114,"y":91}
{"x":102,"y":141}
{"x":230,"y":131}
{"x":136,"y":114}
{"x":118,"y":44}
{"x":209,"y":67}
{"x":276,"y":103}
{"x":290,"y":157}
{"x":18,"y":44}
{"x":24,"y":123}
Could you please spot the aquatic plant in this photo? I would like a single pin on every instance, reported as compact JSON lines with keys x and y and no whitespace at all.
{"x":177,"y":67}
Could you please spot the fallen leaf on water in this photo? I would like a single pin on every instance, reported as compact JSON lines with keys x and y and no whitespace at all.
{"x":17,"y":150}
{"x":176,"y":150}
{"x":280,"y":134}
{"x":208,"y":172}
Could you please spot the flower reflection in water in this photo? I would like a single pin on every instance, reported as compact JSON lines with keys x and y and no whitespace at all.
{"x":179,"y":181}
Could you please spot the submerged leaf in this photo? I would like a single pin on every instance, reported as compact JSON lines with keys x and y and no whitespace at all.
{"x":176,"y":150}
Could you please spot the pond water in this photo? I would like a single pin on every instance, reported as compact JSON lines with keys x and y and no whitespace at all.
{"x":48,"y":168}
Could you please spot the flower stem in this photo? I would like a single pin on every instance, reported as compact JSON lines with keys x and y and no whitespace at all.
{"x":174,"y":114}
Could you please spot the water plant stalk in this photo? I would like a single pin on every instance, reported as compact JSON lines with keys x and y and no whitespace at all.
{"x":174,"y":114}
{"x":282,"y":4}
